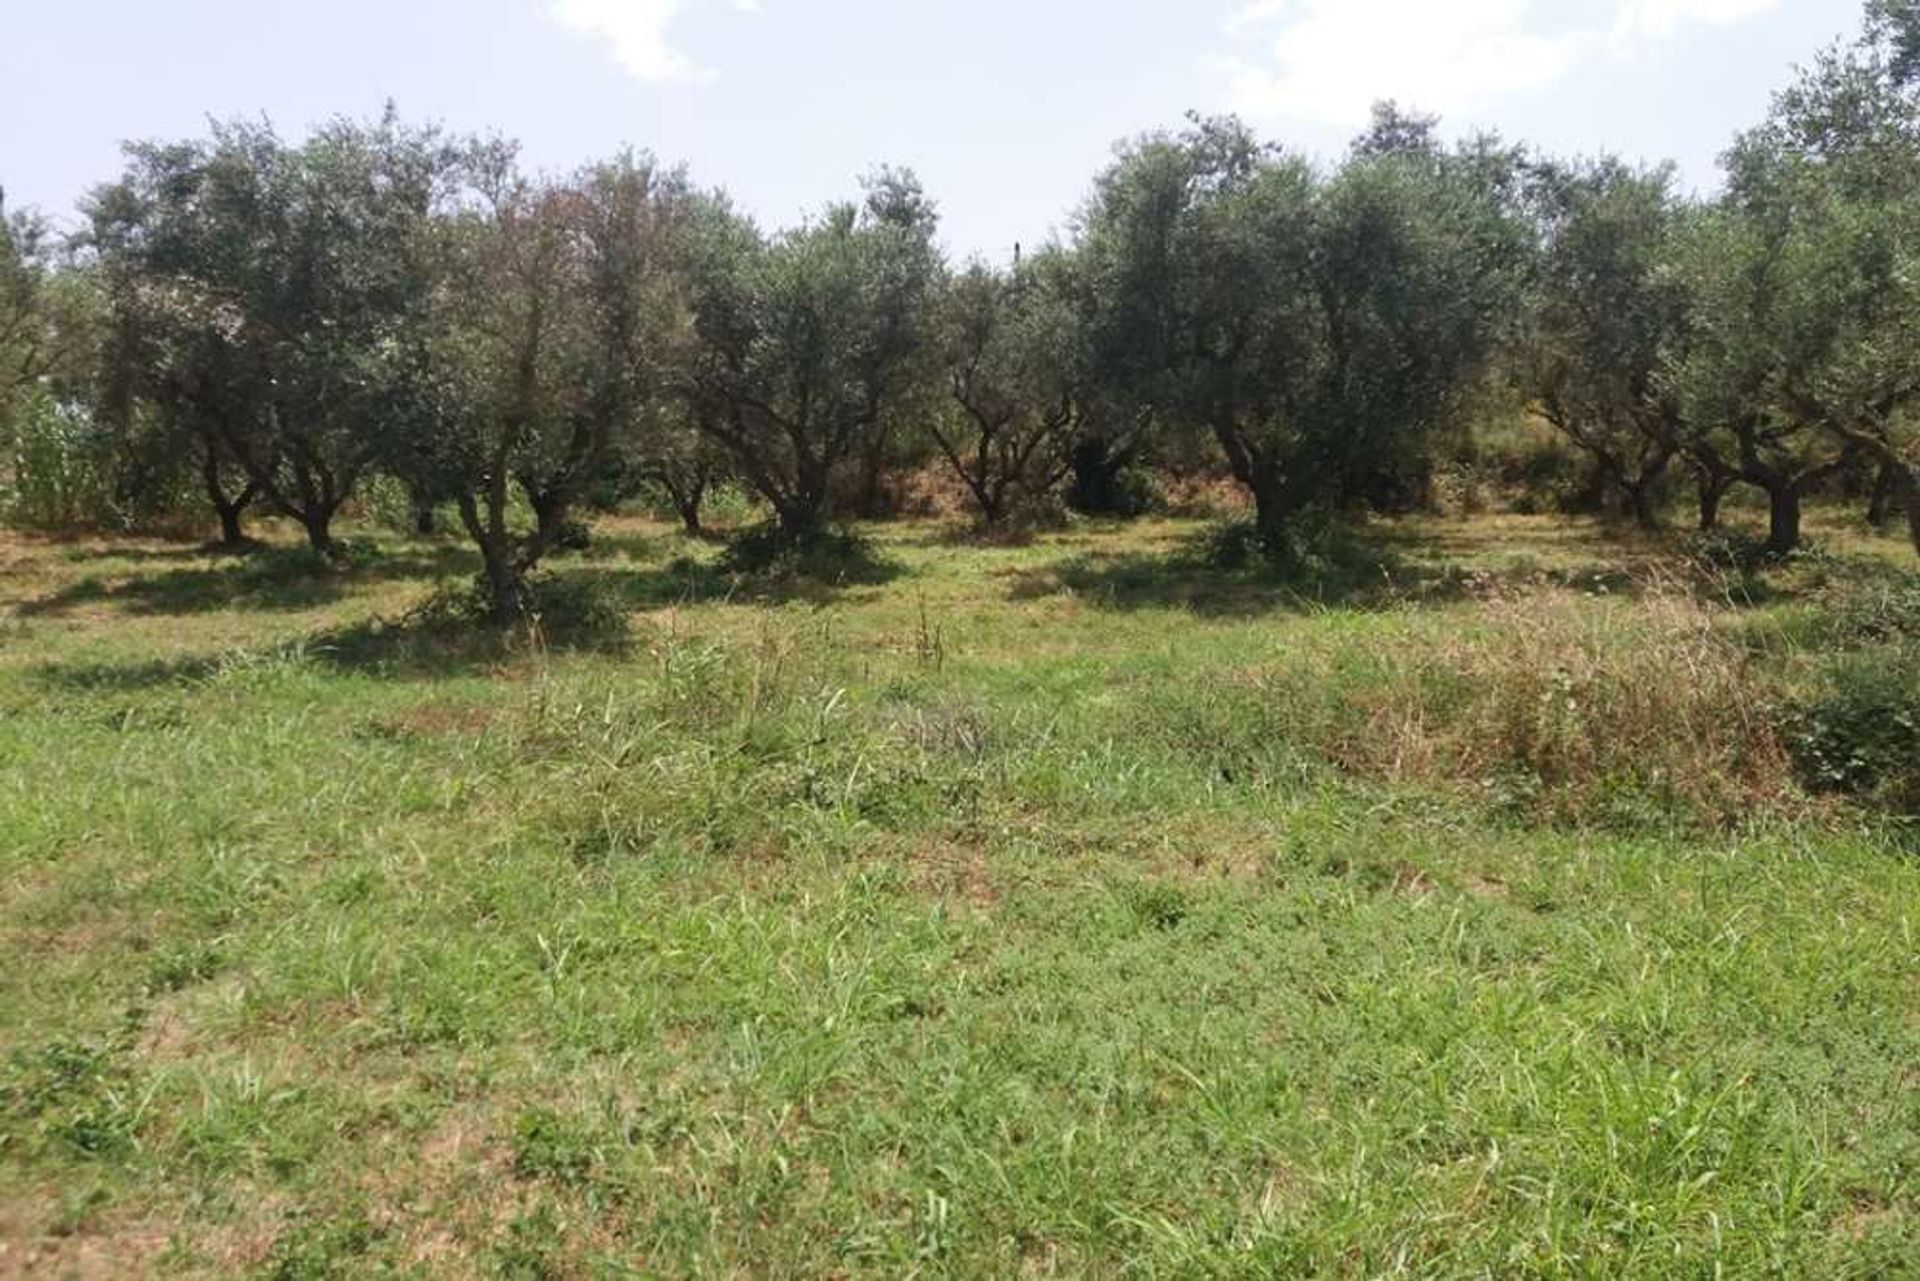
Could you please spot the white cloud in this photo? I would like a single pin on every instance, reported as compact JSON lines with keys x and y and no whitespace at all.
{"x":638,"y":32}
{"x":1330,"y":60}
{"x":1657,"y":19}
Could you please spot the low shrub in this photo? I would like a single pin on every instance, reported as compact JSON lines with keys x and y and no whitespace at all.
{"x":724,"y":506}
{"x":1859,"y":734}
{"x":1318,"y":554}
{"x":1205,"y":496}
{"x":832,"y":555}
{"x":1727,"y":550}
{"x":1027,"y":517}
{"x":1235,"y":544}
{"x":573,"y":535}
{"x":1099,"y":487}
{"x":568,"y":610}
{"x":1877,"y":611}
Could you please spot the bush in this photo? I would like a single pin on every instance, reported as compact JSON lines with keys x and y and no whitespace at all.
{"x":567,"y":610}
{"x":724,"y":506}
{"x":1879,"y":611}
{"x":1318,"y":553}
{"x":1027,"y":515}
{"x":1860,"y":734}
{"x":1727,"y":551}
{"x":1098,"y":486}
{"x":729,"y":505}
{"x":574,"y":535}
{"x":1528,"y":465}
{"x":1236,"y":544}
{"x":831,"y":555}
{"x":1458,"y":489}
{"x":575,"y":610}
{"x":387,"y":502}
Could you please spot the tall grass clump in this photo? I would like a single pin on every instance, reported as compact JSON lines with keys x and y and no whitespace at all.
{"x":59,"y":472}
{"x":1568,"y":707}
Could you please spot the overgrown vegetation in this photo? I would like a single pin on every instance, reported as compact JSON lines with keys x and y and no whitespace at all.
{"x":1074,"y":905}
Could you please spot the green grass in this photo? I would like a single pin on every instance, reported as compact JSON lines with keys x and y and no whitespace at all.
{"x":1060,"y":910}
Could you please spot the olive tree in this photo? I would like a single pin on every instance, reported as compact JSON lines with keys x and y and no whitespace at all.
{"x":165,"y":378}
{"x":1731,"y":379}
{"x":1844,"y":143}
{"x":1009,"y":345}
{"x":1319,"y":326}
{"x":1608,"y":316}
{"x":50,"y":311}
{"x":680,"y":461}
{"x":291,"y":275}
{"x":806,"y":341}
{"x":556,"y":308}
{"x":26,"y":342}
{"x":58,"y":465}
{"x":1808,"y":283}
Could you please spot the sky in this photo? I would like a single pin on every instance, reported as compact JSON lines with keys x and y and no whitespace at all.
{"x":1006,"y":108}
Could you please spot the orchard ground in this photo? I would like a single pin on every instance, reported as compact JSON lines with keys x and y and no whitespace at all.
{"x":1066,"y":909}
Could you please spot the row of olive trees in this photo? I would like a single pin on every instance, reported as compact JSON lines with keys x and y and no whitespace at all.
{"x":274,"y":323}
{"x":386,"y":300}
{"x":379,"y":299}
{"x":1770,"y":337}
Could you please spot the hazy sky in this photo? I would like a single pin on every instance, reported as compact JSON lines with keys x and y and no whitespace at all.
{"x":1005,"y":107}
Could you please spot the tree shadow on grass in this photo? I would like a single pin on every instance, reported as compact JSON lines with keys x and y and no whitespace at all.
{"x":402,"y":648}
{"x":614,"y":544}
{"x":270,"y":580}
{"x":182,"y":554}
{"x":1353,"y":571}
{"x":686,"y":582}
{"x":410,"y":649}
{"x":124,"y":678}
{"x":446,"y":636}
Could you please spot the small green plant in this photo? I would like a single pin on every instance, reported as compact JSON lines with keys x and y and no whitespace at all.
{"x":77,"y":1096}
{"x":1159,"y":904}
{"x":549,"y":1146}
{"x":319,"y":1248}
{"x":533,"y":1248}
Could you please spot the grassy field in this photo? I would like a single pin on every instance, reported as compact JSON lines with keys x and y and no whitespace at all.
{"x":1071,"y":909}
